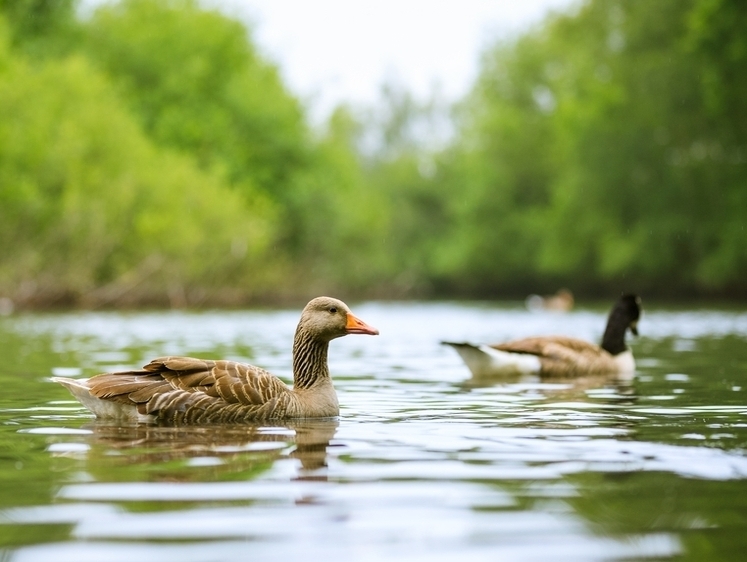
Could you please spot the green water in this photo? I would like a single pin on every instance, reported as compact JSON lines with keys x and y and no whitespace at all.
{"x":424,"y":462}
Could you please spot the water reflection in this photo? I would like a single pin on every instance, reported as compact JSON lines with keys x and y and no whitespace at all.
{"x":610,"y":388}
{"x":221,"y":450}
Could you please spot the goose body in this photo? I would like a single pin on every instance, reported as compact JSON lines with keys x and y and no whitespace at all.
{"x":559,"y":356}
{"x":187,"y":390}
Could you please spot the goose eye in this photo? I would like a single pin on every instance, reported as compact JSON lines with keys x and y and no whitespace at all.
{"x":332,"y":310}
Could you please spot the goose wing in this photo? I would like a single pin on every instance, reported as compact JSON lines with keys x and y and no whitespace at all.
{"x":549,"y":345}
{"x":562,"y":356}
{"x":177,"y":384}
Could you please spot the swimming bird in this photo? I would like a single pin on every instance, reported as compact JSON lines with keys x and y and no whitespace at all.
{"x":186,"y":390}
{"x":562,"y":301}
{"x":560,"y":356}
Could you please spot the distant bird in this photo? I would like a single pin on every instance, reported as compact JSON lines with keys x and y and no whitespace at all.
{"x":186,"y":390}
{"x":559,"y":356}
{"x":6,"y":306}
{"x":562,"y":301}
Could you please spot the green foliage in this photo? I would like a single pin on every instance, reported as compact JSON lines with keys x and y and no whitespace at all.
{"x":198,"y":85}
{"x":149,"y":153}
{"x":87,"y":202}
{"x":503,"y":164}
{"x":599,"y":156}
{"x":41,"y":27}
{"x":340,"y":218}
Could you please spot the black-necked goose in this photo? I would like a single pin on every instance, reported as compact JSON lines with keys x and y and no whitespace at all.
{"x":559,"y":356}
{"x":187,"y":390}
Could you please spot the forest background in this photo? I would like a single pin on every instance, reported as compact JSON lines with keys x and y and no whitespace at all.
{"x":150,"y":155}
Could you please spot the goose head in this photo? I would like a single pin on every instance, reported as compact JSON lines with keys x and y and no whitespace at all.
{"x":328,"y":318}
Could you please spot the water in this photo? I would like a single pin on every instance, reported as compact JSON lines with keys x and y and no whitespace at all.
{"x":425,"y":463}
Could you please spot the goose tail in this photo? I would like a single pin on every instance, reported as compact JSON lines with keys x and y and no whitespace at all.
{"x":102,"y":408}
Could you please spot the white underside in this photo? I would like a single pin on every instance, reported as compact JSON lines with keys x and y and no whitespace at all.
{"x":102,"y":408}
{"x":625,"y":364}
{"x":483,"y":360}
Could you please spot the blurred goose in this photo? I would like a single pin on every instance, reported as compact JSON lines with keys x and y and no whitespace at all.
{"x":559,"y":356}
{"x":187,"y":390}
{"x":562,"y":301}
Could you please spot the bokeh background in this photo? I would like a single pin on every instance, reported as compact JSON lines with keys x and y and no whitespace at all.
{"x":152,"y":153}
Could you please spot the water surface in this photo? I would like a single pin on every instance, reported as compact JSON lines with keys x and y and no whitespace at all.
{"x":424,"y":462}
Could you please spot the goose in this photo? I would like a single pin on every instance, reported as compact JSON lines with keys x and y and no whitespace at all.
{"x":562,"y":301}
{"x":182,"y":390}
{"x":559,"y":356}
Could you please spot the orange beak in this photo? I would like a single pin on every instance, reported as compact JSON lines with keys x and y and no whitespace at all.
{"x":355,"y":325}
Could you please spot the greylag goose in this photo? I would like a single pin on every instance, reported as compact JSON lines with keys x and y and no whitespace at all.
{"x":559,"y":356}
{"x":186,"y":390}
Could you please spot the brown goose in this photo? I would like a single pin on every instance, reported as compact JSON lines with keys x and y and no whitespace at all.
{"x":562,"y":301}
{"x":186,"y":390}
{"x":559,"y":356}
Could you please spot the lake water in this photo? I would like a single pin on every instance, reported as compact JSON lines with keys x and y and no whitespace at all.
{"x":423,"y":464}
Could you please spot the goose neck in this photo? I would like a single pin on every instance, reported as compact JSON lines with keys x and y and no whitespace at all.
{"x":309,"y":359}
{"x":613,"y":340}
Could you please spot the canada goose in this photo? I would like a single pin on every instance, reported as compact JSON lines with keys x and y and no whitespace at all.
{"x":559,"y":356}
{"x":562,"y":301}
{"x":187,"y":390}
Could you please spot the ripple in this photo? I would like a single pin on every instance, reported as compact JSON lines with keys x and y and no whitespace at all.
{"x":68,"y":448}
{"x":56,"y":431}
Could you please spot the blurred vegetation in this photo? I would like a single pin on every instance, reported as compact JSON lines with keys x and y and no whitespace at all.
{"x":149,"y":154}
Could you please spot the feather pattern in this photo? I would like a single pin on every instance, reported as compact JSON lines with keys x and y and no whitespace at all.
{"x":563,"y":357}
{"x":182,"y":390}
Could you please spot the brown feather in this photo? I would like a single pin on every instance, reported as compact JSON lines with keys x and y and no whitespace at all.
{"x":540,"y":345}
{"x":562,"y":356}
